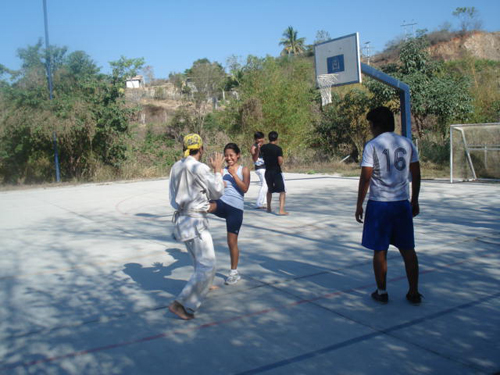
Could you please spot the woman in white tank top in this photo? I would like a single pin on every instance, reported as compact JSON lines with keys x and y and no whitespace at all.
{"x":230,"y":205}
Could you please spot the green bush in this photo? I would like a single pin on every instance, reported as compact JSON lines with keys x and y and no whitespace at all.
{"x":435,"y":150}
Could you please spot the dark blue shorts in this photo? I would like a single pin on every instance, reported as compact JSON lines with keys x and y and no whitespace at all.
{"x":274,"y":181}
{"x":233,"y":216}
{"x":388,"y":223}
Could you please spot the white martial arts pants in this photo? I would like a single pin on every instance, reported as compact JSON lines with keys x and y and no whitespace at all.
{"x":202,"y":252}
{"x":261,"y":198}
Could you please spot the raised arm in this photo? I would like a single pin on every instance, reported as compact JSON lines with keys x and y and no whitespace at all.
{"x":255,"y":150}
{"x":244,"y":184}
{"x":213,"y":181}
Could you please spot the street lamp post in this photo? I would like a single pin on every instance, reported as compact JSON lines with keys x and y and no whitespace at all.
{"x":49,"y":76}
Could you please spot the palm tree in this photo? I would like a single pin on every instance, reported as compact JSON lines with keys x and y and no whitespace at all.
{"x":292,"y":44}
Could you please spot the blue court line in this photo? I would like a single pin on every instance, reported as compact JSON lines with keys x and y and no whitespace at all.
{"x":362,"y":338}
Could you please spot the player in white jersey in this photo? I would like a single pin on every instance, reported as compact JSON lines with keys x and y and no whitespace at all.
{"x":390,"y":163}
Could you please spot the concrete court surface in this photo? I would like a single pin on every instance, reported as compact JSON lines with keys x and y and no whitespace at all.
{"x":87,"y":273}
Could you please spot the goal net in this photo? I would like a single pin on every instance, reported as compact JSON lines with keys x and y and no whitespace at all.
{"x":474,"y":152}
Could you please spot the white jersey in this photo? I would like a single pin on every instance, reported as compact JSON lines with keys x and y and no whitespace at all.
{"x":389,"y":155}
{"x":192,"y":185}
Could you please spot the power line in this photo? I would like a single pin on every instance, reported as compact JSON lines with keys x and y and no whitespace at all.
{"x":407,"y":26}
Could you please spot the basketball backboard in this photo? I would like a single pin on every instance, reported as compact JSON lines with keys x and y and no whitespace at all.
{"x":339,"y":56}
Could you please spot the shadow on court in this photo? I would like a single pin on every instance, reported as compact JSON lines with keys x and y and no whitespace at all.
{"x":87,"y":273}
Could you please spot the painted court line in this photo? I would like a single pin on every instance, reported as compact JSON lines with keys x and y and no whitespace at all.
{"x":273,"y":284}
{"x":368,"y":336}
{"x":258,"y":313}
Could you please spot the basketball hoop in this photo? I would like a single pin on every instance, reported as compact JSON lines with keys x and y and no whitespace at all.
{"x":325,"y":83}
{"x":337,"y":63}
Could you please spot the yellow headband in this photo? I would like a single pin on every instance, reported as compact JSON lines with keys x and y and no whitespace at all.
{"x":192,"y":142}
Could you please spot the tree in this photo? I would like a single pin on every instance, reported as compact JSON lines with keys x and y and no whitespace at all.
{"x":450,"y":100}
{"x":180,"y":122}
{"x":414,"y":56}
{"x":292,"y":44}
{"x":251,"y":114}
{"x":125,"y":68}
{"x":434,"y":92}
{"x":322,"y":36}
{"x":208,"y":79}
{"x":32,"y":57}
{"x":331,"y":135}
{"x":355,"y":105}
{"x":80,"y":65}
{"x":178,"y":80}
{"x":88,"y":113}
{"x":343,"y":128}
{"x":469,"y":19}
{"x":484,"y":76}
{"x":278,"y":95}
{"x":149,"y":73}
{"x":35,"y":57}
{"x":33,"y":74}
{"x":235,"y":70}
{"x":3,"y":70}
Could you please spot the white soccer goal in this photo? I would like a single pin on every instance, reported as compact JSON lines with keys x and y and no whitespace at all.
{"x":474,"y":152}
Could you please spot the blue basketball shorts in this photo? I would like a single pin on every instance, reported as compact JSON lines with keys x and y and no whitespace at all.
{"x":233,"y":216}
{"x":388,"y":223}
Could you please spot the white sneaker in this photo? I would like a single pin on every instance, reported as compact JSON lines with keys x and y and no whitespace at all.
{"x":233,"y":278}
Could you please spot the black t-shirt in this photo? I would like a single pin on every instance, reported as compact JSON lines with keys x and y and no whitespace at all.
{"x":270,"y":154}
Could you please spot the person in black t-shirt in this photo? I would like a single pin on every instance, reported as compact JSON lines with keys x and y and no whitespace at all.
{"x":273,"y":159}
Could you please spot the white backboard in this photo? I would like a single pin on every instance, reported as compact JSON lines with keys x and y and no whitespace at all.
{"x":339,"y":56}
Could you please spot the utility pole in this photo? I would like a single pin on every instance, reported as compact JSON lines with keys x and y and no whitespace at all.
{"x":49,"y":76}
{"x":368,"y":52}
{"x":406,"y":26}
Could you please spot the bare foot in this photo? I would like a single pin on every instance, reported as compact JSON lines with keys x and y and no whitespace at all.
{"x":179,"y":310}
{"x":214,"y":287}
{"x":284,"y":213}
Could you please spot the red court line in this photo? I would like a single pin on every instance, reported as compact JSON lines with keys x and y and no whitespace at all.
{"x":211,"y":324}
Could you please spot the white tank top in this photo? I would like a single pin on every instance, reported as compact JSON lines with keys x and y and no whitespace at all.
{"x":233,"y":196}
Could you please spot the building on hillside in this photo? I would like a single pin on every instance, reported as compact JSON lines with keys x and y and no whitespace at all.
{"x":136,"y":82}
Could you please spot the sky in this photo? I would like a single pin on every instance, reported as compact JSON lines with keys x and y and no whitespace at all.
{"x":171,"y":34}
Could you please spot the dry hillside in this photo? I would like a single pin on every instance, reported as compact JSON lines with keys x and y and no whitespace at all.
{"x":480,"y":45}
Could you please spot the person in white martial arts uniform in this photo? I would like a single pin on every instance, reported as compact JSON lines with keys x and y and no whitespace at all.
{"x":192,"y":186}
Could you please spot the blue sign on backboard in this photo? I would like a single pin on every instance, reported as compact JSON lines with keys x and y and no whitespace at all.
{"x":335,"y":64}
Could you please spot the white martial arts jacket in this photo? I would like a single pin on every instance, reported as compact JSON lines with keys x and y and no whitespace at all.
{"x":192,"y":185}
